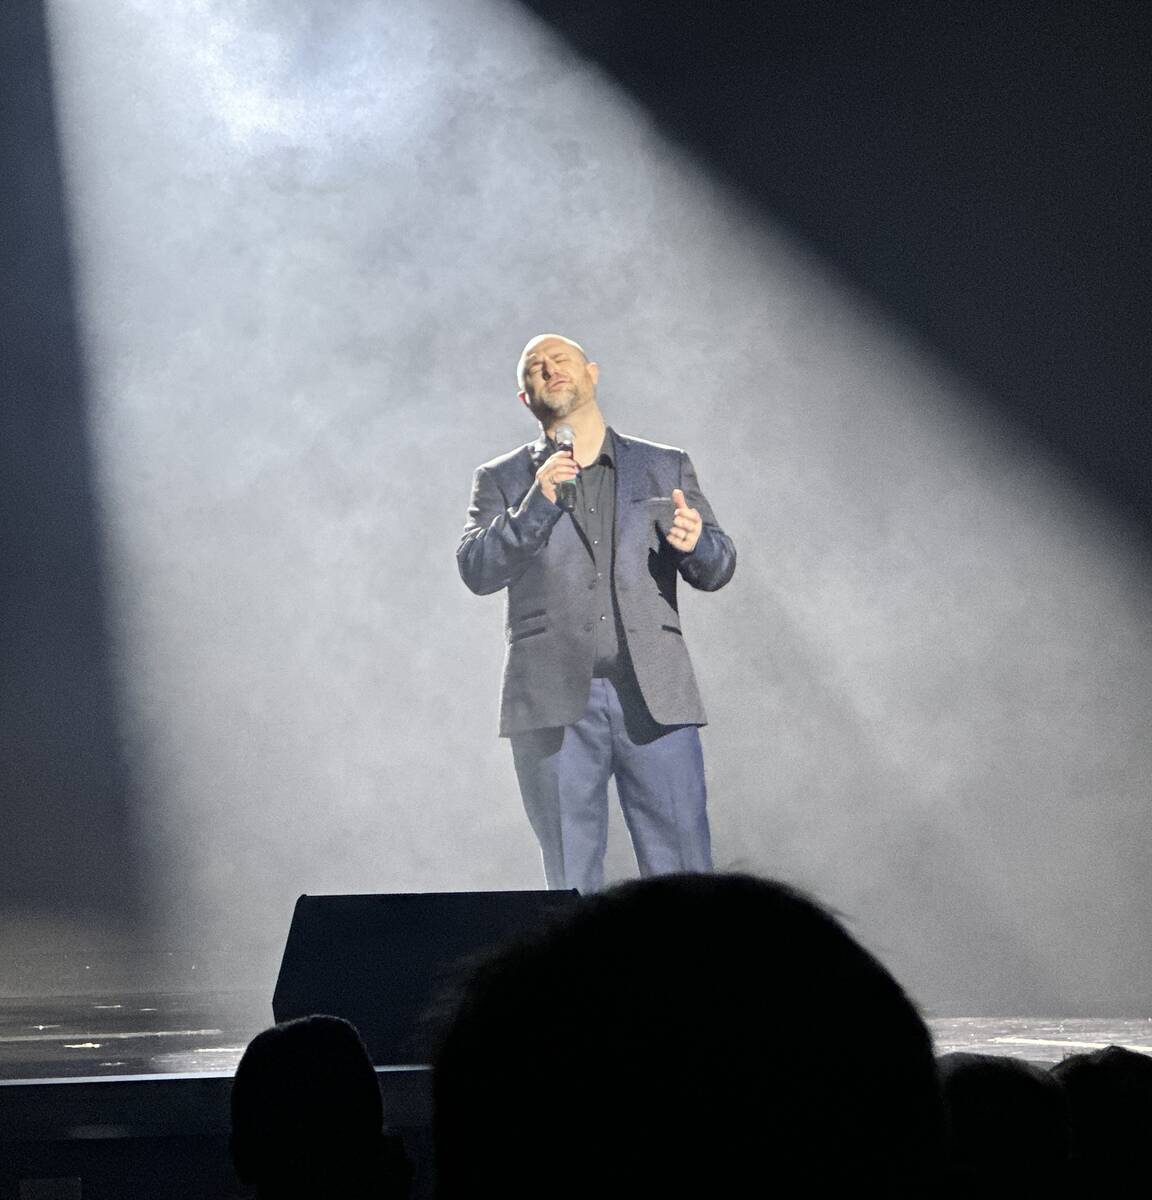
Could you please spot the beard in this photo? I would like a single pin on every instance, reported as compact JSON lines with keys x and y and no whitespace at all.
{"x":549,"y":407}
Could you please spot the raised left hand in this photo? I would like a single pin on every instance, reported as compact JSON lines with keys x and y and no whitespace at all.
{"x":686,"y":525}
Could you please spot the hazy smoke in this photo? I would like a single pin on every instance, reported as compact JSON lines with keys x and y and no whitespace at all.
{"x":312,"y":239}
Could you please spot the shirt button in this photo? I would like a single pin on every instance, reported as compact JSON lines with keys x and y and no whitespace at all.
{"x":591,"y":509}
{"x":595,"y":541}
{"x":603,"y":617}
{"x":588,"y":627}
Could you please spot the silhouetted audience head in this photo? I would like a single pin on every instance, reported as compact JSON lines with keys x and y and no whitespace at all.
{"x":1110,"y":1108}
{"x":1008,"y":1125}
{"x":693,"y":1035}
{"x":307,"y":1115}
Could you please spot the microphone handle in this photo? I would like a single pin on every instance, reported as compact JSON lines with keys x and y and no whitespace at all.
{"x":566,"y":495}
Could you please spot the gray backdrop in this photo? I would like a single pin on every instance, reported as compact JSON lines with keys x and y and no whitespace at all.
{"x":310,"y":240}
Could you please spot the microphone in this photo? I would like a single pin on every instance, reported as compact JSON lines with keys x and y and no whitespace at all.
{"x":566,"y":491}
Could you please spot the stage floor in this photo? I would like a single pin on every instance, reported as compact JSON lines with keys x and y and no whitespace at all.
{"x":129,"y":1095}
{"x":72,"y":1037}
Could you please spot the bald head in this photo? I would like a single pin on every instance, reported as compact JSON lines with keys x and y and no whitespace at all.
{"x":557,"y":382}
{"x":529,"y":352}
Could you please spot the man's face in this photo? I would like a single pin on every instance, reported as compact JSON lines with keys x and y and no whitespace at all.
{"x":557,"y":381}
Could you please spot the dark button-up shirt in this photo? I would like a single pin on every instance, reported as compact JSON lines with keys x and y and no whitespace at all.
{"x":595,"y":517}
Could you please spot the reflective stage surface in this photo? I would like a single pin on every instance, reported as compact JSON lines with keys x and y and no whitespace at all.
{"x":99,"y":1036}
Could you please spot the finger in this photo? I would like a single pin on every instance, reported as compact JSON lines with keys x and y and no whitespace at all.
{"x":688,"y":521}
{"x":678,"y":498}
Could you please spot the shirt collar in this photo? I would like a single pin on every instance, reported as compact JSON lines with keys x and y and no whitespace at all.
{"x":608,"y":449}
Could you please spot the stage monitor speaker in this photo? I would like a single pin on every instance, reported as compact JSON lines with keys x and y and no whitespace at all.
{"x":381,"y":961}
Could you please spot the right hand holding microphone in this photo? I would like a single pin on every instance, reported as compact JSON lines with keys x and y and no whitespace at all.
{"x":560,"y":468}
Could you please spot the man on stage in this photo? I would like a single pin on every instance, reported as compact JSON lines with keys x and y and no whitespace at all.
{"x":597,"y":679}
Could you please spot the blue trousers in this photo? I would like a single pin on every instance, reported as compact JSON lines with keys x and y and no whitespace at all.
{"x":659,"y":770}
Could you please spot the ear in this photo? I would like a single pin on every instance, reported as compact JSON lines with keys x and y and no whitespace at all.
{"x":594,"y":373}
{"x":524,"y":399}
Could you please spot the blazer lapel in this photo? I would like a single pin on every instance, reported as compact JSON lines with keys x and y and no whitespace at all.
{"x":537,"y":453}
{"x":638,"y":510}
{"x":630,"y":483}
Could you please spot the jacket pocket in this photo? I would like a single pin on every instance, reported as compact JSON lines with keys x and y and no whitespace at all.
{"x":521,"y":634}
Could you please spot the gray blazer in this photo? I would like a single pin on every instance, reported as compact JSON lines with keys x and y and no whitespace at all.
{"x":517,"y":539}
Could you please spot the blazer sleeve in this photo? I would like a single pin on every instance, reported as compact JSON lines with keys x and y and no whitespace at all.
{"x":713,"y":559}
{"x":499,"y":541}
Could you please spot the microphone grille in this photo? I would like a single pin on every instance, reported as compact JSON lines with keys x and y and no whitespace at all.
{"x":564,"y":436}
